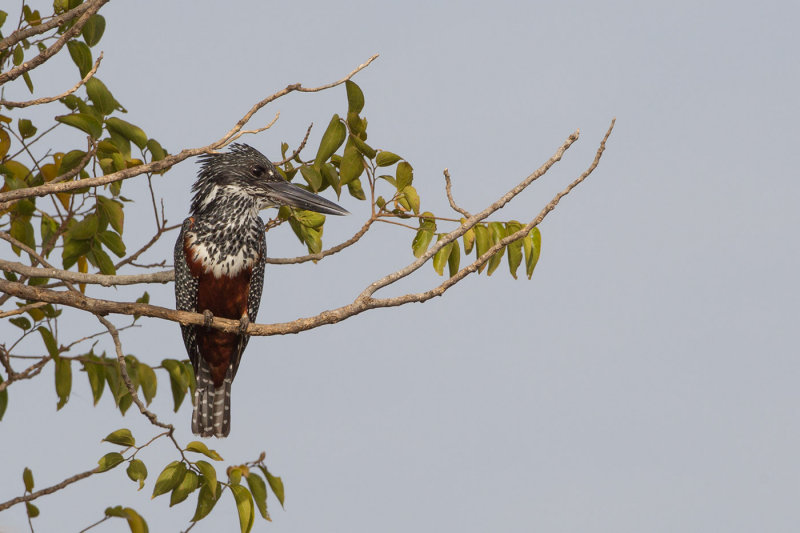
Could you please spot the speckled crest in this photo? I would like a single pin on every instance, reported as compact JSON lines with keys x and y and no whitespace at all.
{"x":242,"y":168}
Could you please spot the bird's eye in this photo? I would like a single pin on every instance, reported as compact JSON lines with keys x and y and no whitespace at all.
{"x":258,"y":171}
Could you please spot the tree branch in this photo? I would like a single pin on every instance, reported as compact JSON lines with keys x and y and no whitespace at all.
{"x":362,"y":303}
{"x":54,"y":22}
{"x":49,"y":99}
{"x":48,"y":490}
{"x":68,"y":35}
{"x":79,"y":277}
{"x":167,"y":162}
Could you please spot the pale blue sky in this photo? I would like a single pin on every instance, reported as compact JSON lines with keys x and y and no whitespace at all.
{"x":646,"y":379}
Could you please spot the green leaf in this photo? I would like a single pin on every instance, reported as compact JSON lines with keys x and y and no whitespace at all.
{"x":312,"y":176}
{"x":169,"y":478}
{"x":514,"y":248}
{"x":112,"y":211}
{"x":48,"y":228}
{"x":26,"y":128}
{"x":148,"y":381}
{"x":85,"y":229}
{"x":332,"y":177}
{"x":244,"y":504}
{"x":177,"y":381}
{"x":137,"y":471}
{"x":356,"y":190}
{"x":49,"y":341}
{"x":198,"y":447}
{"x":310,"y":219}
{"x":133,"y":133}
{"x":405,"y":175}
{"x":206,"y":501}
{"x":84,"y":122}
{"x":209,"y":474}
{"x":455,"y":259}
{"x":533,"y":247}
{"x":441,"y":257}
{"x":352,"y":163}
{"x":234,"y":475}
{"x":275,"y":484}
{"x":259,"y":491}
{"x":100,"y":96}
{"x":421,"y":241}
{"x":187,"y":486}
{"x":73,"y":249}
{"x":113,"y":242}
{"x":3,"y":400}
{"x":482,"y":242}
{"x":63,"y":381}
{"x":93,"y":29}
{"x":412,"y":198}
{"x":22,"y":230}
{"x":31,"y":509}
{"x":157,"y":153}
{"x":332,"y":139}
{"x":188,"y":375}
{"x":122,"y":437}
{"x":363,"y":147}
{"x":27,"y":479}
{"x":355,"y":97}
{"x":96,"y":375}
{"x":386,"y":159}
{"x":28,"y":82}
{"x":21,"y":322}
{"x":496,"y":233}
{"x":135,"y":522}
{"x":102,"y":261}
{"x":109,"y":461}
{"x":19,"y":55}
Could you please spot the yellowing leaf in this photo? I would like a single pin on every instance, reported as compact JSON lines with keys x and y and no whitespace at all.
{"x":122,"y":437}
{"x":244,"y":504}
{"x":109,"y":461}
{"x":198,"y":447}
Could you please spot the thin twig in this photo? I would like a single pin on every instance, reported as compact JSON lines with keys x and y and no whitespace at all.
{"x":49,"y":490}
{"x":299,"y":148}
{"x":123,"y":368}
{"x":449,"y":189}
{"x":48,"y":99}
{"x":28,"y":373}
{"x":253,"y":132}
{"x":84,"y":530}
{"x":324,"y":253}
{"x":22,"y":309}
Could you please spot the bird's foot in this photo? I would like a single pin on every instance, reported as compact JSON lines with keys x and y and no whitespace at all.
{"x":209,"y":317}
{"x":244,"y":322}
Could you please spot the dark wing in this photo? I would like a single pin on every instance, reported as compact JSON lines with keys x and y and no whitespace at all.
{"x":254,"y":296}
{"x":186,"y":293}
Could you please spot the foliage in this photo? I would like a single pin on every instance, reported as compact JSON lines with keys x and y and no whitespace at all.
{"x":85,"y":227}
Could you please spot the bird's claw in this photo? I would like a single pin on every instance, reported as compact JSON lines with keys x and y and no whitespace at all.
{"x":244,"y":322}
{"x":208,"y":318}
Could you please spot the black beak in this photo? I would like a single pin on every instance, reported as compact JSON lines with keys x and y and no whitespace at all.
{"x":285,"y":193}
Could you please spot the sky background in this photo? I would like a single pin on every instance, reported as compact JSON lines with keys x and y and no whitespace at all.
{"x":646,"y":379}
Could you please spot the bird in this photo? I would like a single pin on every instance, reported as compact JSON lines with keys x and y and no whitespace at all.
{"x":219,"y":267}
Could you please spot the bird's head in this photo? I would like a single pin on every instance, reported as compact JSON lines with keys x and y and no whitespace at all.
{"x":245,"y":173}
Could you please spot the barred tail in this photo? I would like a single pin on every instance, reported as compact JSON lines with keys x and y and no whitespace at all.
{"x":212,"y":405}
